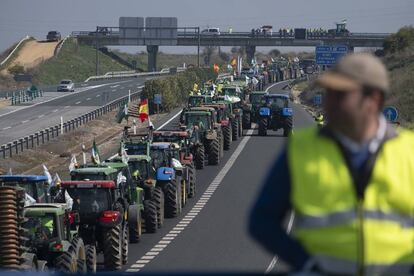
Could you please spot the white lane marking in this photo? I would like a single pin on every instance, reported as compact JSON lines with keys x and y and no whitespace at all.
{"x":77,"y":102}
{"x":88,"y":99}
{"x":67,"y":106}
{"x":276,"y":258}
{"x":56,"y":110}
{"x":267,"y":89}
{"x":113,"y":86}
{"x":132,"y":270}
{"x":137,"y":265}
{"x":6,"y":127}
{"x":25,"y":121}
{"x":180,"y":226}
{"x":142,"y":261}
{"x":167,"y":122}
{"x":113,"y":90}
{"x":157,"y":246}
{"x":98,"y":95}
{"x":40,"y":116}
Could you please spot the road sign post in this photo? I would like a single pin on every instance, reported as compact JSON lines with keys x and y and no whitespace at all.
{"x":158,"y":101}
{"x":317,"y":100}
{"x":329,"y":55}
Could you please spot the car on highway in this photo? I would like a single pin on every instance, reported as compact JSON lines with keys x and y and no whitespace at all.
{"x":211,"y":32}
{"x":66,"y":86}
{"x":53,"y":36}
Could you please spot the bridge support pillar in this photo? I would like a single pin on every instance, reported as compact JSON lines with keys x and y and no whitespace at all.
{"x":152,"y":57}
{"x":250,"y":51}
{"x":351,"y":49}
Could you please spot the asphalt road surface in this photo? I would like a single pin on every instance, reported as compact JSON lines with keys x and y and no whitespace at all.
{"x":31,"y":119}
{"x":211,"y":233}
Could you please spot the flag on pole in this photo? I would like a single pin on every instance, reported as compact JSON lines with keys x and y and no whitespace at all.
{"x":10,"y":171}
{"x":47,"y":174}
{"x":122,"y":113}
{"x":150,"y":124}
{"x":143,"y":110}
{"x":73,"y":163}
{"x":56,"y":179}
{"x":95,"y":154}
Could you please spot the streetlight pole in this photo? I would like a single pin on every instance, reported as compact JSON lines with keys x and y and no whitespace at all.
{"x":198,"y":47}
{"x":97,"y":54}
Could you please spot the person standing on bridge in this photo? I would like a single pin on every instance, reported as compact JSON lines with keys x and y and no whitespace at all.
{"x":350,"y":184}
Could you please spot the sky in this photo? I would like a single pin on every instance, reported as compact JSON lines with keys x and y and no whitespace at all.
{"x":19,"y":18}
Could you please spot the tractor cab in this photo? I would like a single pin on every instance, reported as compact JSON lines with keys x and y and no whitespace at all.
{"x":201,"y":119}
{"x":198,"y":100}
{"x":276,"y":101}
{"x":35,"y":186}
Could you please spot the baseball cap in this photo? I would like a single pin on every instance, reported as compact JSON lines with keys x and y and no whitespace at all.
{"x":354,"y":71}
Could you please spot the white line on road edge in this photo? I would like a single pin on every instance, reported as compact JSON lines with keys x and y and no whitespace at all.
{"x":195,"y":210}
{"x":267,"y":89}
{"x":276,"y":258}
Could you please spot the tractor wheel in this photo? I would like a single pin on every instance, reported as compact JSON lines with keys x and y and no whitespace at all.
{"x":172,"y":200}
{"x":227,"y":137}
{"x":214,"y":154}
{"x":125,"y":243}
{"x":134,"y":223}
{"x":247,"y":122}
{"x":287,"y":130}
{"x":192,"y":177}
{"x":221,"y":143}
{"x":67,"y":262}
{"x":158,"y":198}
{"x":235,"y":129}
{"x":112,"y":248}
{"x":150,"y":216}
{"x":91,"y":258}
{"x":80,"y":252}
{"x":263,"y":127}
{"x":240,"y":129}
{"x":200,"y":156}
{"x":184,"y":192}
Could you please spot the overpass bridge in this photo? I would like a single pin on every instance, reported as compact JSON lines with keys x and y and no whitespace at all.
{"x":191,"y":36}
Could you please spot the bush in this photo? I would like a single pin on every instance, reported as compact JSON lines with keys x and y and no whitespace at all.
{"x":16,"y":69}
{"x":400,"y":40}
{"x":175,"y":89}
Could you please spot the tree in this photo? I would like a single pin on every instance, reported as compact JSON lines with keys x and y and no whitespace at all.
{"x":16,"y":69}
{"x":274,"y":53}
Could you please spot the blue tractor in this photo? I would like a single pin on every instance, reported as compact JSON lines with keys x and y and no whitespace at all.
{"x":36,"y":186}
{"x":275,"y":114}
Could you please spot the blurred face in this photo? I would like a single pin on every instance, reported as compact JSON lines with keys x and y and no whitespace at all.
{"x":350,"y":111}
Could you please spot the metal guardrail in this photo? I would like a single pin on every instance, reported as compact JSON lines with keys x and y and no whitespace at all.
{"x":124,"y":74}
{"x":15,"y":48}
{"x":43,"y":136}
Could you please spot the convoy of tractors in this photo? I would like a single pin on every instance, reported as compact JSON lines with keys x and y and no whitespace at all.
{"x":107,"y":205}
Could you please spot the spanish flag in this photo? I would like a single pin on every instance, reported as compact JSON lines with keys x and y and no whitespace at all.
{"x":143,"y":110}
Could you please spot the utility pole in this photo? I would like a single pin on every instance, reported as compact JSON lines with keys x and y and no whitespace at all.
{"x":198,"y":47}
{"x":97,"y":54}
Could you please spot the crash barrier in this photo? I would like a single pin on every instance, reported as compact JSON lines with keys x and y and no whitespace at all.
{"x":126,"y":74}
{"x":15,"y":48}
{"x":24,"y":96}
{"x":43,"y":136}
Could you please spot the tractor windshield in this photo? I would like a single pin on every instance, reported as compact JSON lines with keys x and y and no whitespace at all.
{"x":40,"y":226}
{"x":198,"y":120}
{"x":256,"y":98}
{"x":232,"y":91}
{"x":278,"y":102}
{"x":136,"y":149}
{"x":160,"y":157}
{"x":36,"y":189}
{"x":141,"y":167}
{"x":91,"y":200}
{"x":196,"y":101}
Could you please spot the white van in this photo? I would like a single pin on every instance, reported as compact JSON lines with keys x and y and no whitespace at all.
{"x":211,"y":31}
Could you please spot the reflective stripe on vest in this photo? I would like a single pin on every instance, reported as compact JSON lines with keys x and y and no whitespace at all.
{"x":324,"y":200}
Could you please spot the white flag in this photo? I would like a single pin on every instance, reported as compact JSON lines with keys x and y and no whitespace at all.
{"x":47,"y":174}
{"x":150,"y":124}
{"x":73,"y":163}
{"x":255,"y":81}
{"x":120,"y":179}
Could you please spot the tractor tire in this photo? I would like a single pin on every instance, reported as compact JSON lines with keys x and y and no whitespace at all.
{"x":192,"y":177}
{"x":235,"y":129}
{"x":227,"y":137}
{"x":287,"y":130}
{"x":263,"y":127}
{"x":112,"y":248}
{"x":134,"y":223}
{"x":240,"y":127}
{"x":200,"y":156}
{"x":125,"y":243}
{"x":221,"y":145}
{"x":184,"y":194}
{"x":91,"y":258}
{"x":150,"y":216}
{"x":214,"y":154}
{"x":66,"y":262}
{"x":172,"y":200}
{"x":247,"y":122}
{"x":80,"y":252}
{"x":158,"y":198}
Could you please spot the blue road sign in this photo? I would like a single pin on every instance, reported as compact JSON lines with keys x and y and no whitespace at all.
{"x":317,"y":99}
{"x":157,"y":99}
{"x":390,"y":113}
{"x":328,"y":55}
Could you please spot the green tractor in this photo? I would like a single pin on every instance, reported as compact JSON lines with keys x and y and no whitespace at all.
{"x":257,"y":99}
{"x":224,"y":118}
{"x":54,"y":241}
{"x":195,"y":101}
{"x":202,"y":122}
{"x":275,"y":113}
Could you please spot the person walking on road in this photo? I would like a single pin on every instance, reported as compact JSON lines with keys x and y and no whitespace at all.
{"x":350,"y":184}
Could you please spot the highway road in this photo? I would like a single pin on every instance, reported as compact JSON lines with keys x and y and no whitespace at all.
{"x":33,"y":118}
{"x":211,"y":234}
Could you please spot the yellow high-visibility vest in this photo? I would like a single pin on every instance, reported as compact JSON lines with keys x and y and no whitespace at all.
{"x":345,"y":234}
